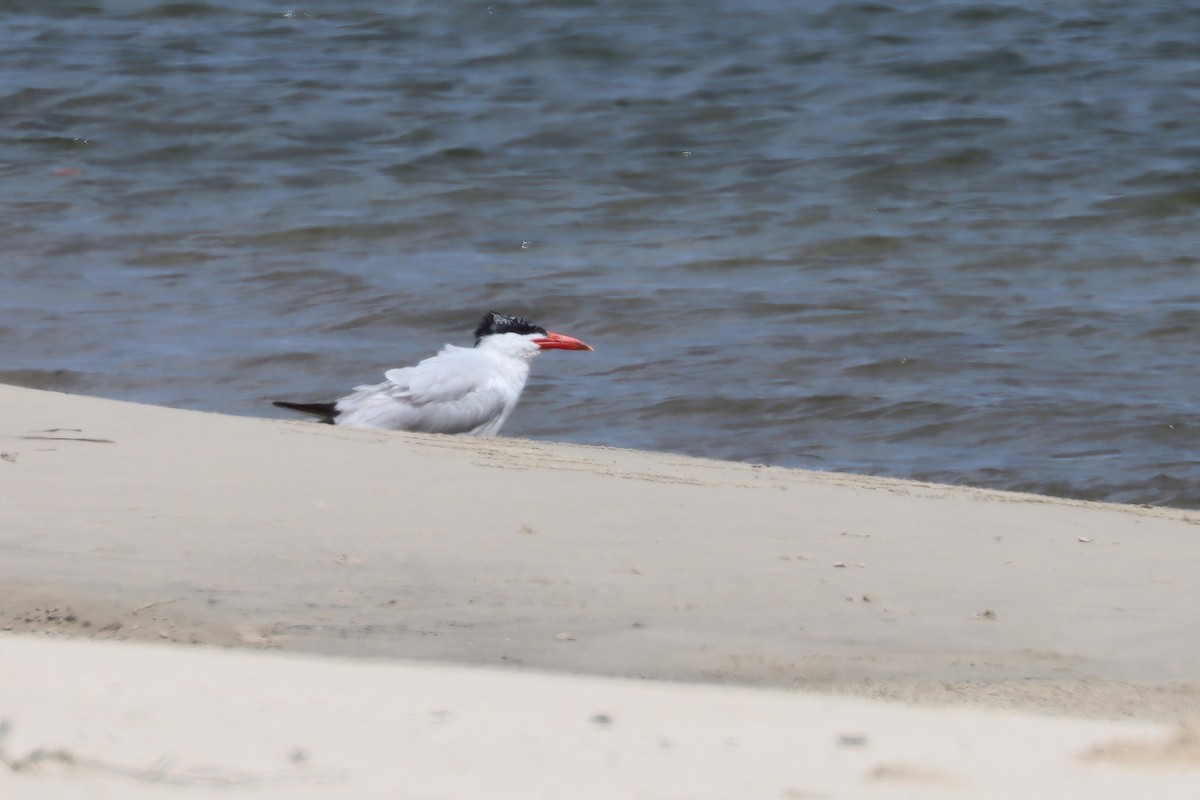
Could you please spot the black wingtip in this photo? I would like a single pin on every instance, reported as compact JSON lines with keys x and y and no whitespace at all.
{"x":326,"y":411}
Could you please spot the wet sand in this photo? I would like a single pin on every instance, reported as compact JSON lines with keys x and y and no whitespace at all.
{"x":127,"y":522}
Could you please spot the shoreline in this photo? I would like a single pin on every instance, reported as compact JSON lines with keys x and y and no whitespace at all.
{"x":204,"y":528}
{"x":510,"y":559}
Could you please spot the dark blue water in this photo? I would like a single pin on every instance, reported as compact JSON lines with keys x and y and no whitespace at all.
{"x":945,"y":240}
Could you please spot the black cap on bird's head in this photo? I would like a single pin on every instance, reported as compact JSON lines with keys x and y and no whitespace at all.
{"x":495,"y":323}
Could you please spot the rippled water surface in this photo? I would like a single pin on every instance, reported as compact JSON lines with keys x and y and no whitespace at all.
{"x":946,"y":240}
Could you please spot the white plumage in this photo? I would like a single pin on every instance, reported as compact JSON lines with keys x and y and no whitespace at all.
{"x":459,"y":390}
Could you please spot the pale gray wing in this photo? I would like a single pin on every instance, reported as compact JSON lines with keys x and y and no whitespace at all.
{"x":456,"y":391}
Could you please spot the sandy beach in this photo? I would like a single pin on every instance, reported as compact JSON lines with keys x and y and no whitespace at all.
{"x":206,"y":604}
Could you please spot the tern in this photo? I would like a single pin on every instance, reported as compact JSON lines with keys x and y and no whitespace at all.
{"x":460,"y":390}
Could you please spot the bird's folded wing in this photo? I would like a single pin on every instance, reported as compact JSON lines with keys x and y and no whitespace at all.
{"x":450,"y":376}
{"x":453,"y":392}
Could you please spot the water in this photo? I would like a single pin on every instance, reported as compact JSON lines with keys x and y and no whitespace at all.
{"x":945,"y":240}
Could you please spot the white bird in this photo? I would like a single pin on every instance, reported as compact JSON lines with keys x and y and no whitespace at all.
{"x":459,"y":390}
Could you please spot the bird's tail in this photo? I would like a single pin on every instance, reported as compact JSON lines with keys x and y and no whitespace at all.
{"x":326,"y":411}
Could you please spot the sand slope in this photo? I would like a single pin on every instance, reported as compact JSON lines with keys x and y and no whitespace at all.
{"x":120,"y":521}
{"x":127,"y":521}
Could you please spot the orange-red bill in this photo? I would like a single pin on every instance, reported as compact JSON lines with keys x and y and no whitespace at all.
{"x":558,"y":341}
